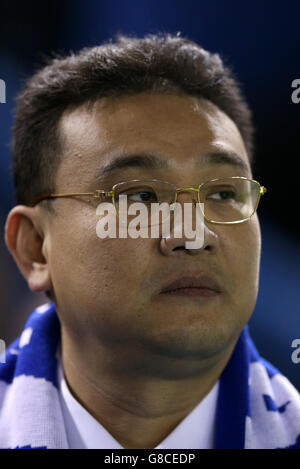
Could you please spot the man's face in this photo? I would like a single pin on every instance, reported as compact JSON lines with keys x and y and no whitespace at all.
{"x":109,"y":290}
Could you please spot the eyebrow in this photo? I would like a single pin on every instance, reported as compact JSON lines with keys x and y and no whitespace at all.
{"x":150,"y":161}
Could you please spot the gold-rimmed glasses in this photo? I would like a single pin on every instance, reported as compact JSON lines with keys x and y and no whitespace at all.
{"x":226,"y":200}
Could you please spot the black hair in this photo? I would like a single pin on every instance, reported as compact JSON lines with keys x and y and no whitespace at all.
{"x":156,"y":63}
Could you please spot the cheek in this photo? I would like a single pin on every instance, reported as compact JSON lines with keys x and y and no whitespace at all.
{"x":242,"y":248}
{"x":93,"y":267}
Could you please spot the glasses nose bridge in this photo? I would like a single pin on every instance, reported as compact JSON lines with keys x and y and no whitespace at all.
{"x":187,"y":189}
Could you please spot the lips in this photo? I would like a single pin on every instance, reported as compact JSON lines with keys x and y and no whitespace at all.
{"x":193,"y":283}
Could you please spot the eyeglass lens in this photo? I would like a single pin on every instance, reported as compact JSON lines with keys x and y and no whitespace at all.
{"x":225,"y":200}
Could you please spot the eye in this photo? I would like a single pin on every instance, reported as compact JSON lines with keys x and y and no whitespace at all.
{"x":226,"y":194}
{"x":142,"y":196}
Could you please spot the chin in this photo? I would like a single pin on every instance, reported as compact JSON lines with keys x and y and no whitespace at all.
{"x":199,"y":340}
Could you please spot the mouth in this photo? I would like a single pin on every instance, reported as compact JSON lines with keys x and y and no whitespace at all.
{"x":203,"y":287}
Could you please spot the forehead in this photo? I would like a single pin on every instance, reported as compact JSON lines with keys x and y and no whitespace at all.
{"x":177,"y":126}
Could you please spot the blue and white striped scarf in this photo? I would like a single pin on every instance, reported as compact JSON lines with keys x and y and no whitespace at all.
{"x":257,"y":406}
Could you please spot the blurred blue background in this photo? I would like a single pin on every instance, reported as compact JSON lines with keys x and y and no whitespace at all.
{"x":260,"y":41}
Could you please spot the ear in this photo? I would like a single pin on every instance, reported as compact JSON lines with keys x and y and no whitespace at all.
{"x":25,"y":241}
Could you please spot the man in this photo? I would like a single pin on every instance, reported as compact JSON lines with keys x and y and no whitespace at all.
{"x":145,"y":342}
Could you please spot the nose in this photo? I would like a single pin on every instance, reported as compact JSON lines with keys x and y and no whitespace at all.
{"x":170,"y":245}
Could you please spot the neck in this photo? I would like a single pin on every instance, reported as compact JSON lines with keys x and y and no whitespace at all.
{"x":138,"y":407}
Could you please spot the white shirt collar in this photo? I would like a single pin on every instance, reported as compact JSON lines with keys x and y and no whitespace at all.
{"x":195,"y":431}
